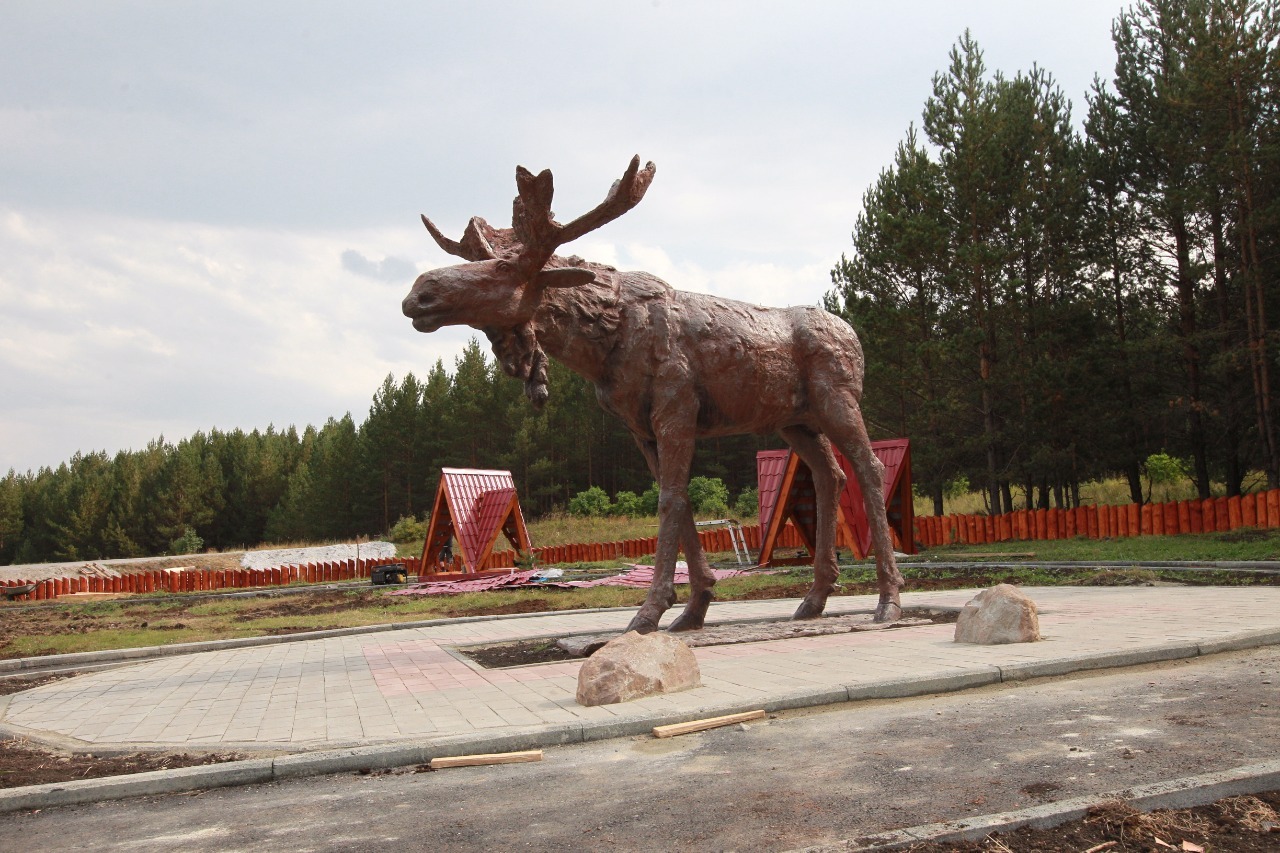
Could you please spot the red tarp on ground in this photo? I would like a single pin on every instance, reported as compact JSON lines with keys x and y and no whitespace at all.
{"x":639,"y":576}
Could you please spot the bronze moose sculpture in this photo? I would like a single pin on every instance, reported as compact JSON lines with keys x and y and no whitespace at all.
{"x":674,"y":366}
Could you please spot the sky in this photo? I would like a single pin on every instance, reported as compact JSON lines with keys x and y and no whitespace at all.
{"x":209,"y":210}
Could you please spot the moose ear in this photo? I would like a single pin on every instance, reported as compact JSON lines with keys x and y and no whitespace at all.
{"x":564,"y":277}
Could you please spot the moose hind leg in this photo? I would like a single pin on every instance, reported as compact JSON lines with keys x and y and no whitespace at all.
{"x":701,"y":580}
{"x":844,"y":425}
{"x":828,"y":481}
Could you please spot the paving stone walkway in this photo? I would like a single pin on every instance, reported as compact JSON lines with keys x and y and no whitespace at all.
{"x":411,"y":685}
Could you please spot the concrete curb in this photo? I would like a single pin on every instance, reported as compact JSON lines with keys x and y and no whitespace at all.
{"x":1265,"y":566}
{"x":1181,"y":793}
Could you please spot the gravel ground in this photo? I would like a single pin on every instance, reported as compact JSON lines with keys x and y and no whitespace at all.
{"x":248,"y":560}
{"x":320,"y":554}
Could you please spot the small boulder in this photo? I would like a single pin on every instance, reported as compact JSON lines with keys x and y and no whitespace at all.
{"x":637,"y":665}
{"x":1001,"y":614}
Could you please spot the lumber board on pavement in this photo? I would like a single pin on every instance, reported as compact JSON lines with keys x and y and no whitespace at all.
{"x":486,"y":758}
{"x":704,"y":724}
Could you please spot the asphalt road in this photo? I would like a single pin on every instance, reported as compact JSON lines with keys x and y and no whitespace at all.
{"x":800,"y":778}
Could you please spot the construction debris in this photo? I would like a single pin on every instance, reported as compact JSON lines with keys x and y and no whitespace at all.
{"x":93,"y":570}
{"x":639,"y":576}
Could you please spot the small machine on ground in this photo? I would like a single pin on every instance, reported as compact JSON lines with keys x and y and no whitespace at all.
{"x":389,"y":574}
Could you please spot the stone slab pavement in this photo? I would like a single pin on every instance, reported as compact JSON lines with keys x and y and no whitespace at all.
{"x":410,"y":687}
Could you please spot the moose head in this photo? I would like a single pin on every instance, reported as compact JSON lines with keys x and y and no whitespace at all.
{"x":510,"y":269}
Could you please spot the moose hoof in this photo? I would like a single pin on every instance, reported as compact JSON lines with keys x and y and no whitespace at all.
{"x":889,"y":609}
{"x":687,"y":621}
{"x":810,"y":609}
{"x":642,"y":624}
{"x":695,"y":612}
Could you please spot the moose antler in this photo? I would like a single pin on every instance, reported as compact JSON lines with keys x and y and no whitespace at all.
{"x":533,"y":230}
{"x":540,"y":235}
{"x":476,"y":244}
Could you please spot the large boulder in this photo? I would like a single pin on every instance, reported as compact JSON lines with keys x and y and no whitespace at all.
{"x":1001,"y":614}
{"x":637,"y":665}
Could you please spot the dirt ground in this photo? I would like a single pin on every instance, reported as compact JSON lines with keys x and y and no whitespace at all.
{"x":23,"y":763}
{"x":1231,"y":825}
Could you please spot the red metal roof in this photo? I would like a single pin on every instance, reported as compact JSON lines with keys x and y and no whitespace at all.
{"x":771,"y":468}
{"x":479,"y":502}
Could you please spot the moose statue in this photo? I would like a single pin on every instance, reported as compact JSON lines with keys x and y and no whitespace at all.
{"x":674,"y":366}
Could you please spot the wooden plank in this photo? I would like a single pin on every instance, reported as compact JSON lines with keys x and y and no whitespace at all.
{"x":486,"y":758}
{"x":708,"y":723}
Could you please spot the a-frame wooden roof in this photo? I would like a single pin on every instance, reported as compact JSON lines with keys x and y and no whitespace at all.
{"x":785,"y":485}
{"x":475,"y":506}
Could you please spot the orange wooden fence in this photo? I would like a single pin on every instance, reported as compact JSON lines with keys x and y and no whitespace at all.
{"x":193,"y":580}
{"x":1255,"y":510}
{"x":713,"y":541}
{"x":1212,"y":515}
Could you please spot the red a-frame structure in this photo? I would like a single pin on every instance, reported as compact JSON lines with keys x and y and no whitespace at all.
{"x":786,"y":494}
{"x":475,"y":506}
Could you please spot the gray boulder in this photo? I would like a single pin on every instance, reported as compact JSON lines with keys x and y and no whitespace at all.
{"x":637,"y":665}
{"x":1001,"y":614}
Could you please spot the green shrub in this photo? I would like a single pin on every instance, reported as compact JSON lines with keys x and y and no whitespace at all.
{"x":649,"y":501}
{"x":626,"y":504}
{"x":592,"y":503}
{"x":408,"y":529}
{"x":1163,"y":471}
{"x":747,"y":506}
{"x":709,"y":496}
{"x":188,"y":543}
{"x":956,"y":487}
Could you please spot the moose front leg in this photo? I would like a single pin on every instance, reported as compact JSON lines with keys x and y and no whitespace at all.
{"x":674,"y":455}
{"x":701,"y":580}
{"x":828,"y":481}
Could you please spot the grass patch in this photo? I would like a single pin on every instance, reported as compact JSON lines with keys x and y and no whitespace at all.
{"x":1122,"y":577}
{"x":559,"y":528}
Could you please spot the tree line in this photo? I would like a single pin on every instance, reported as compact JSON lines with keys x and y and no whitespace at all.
{"x":232,"y":489}
{"x":1043,"y":305}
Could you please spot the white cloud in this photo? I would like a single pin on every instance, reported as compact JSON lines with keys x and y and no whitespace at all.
{"x":187,"y":327}
{"x":210,"y":212}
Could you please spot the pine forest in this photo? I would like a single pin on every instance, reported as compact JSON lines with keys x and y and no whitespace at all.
{"x":1045,"y":298}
